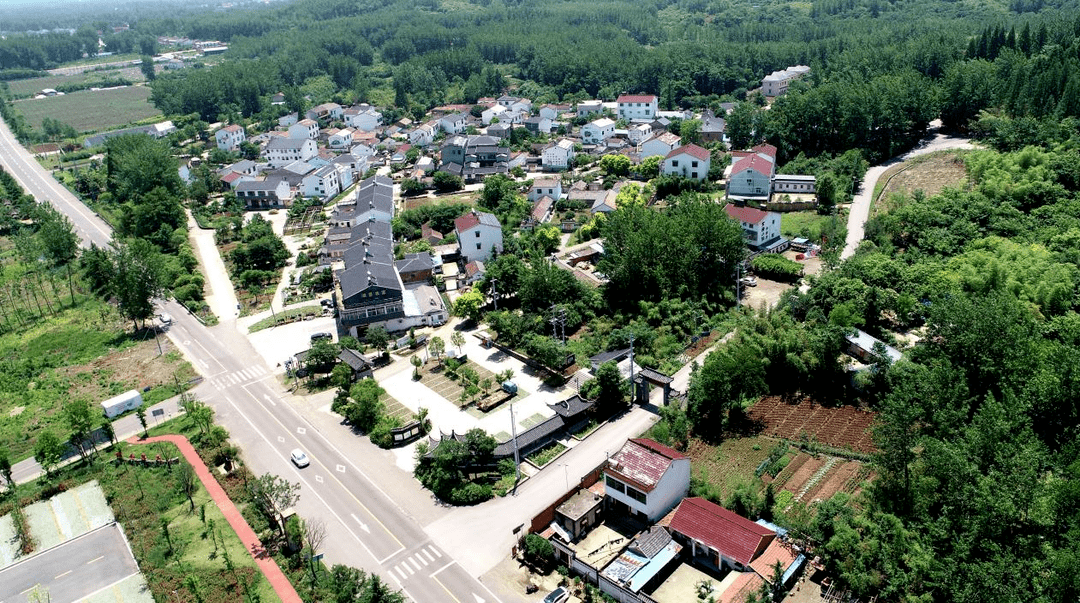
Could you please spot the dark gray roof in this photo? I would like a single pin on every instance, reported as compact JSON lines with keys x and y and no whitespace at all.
{"x":354,"y":359}
{"x":362,"y":275}
{"x":651,"y":541}
{"x":571,"y":407}
{"x":602,"y":357}
{"x":99,"y":139}
{"x":270,"y":184}
{"x":415,"y":262}
{"x":375,"y":193}
{"x":649,"y":374}
{"x":279,"y":143}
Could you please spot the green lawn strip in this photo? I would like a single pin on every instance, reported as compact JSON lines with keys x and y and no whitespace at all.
{"x":586,"y":429}
{"x":285,"y":317}
{"x":434,"y":378}
{"x":802,"y":224}
{"x":532,"y":420}
{"x":394,"y":408}
{"x":546,"y":454}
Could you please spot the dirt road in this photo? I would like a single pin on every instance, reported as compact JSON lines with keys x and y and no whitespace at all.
{"x":860,"y":206}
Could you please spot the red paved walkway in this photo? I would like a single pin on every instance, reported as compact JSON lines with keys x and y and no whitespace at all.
{"x":267,"y":565}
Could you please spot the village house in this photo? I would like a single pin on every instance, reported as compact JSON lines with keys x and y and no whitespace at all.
{"x":760,"y":228}
{"x":588,"y":107}
{"x":550,"y":187}
{"x":553,"y":111}
{"x":596,"y":132}
{"x":363,"y":117}
{"x":323,"y":183}
{"x":305,"y":128}
{"x":718,"y":538}
{"x":264,"y":194}
{"x":712,"y":128}
{"x":690,"y":161}
{"x":230,"y":137}
{"x":646,"y":479}
{"x":341,"y":139}
{"x":415,"y":267}
{"x":287,"y":120}
{"x":637,"y":106}
{"x":540,"y":214}
{"x":639,"y":133}
{"x":326,"y":112}
{"x":777,"y":82}
{"x":794,"y":184}
{"x":499,"y":130}
{"x":478,"y":234}
{"x":455,"y":123}
{"x":422,"y":135}
{"x":280,"y":152}
{"x":538,"y":125}
{"x":752,"y":173}
{"x":473,"y":157}
{"x":492,"y":113}
{"x":660,"y":145}
{"x":558,"y":156}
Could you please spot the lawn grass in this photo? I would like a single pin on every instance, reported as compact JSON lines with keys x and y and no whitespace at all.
{"x":285,"y":317}
{"x":807,"y":224}
{"x":29,"y":87}
{"x":88,"y":111}
{"x":83,"y":352}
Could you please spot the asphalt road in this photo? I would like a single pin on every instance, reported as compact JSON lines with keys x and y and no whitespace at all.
{"x":73,"y":570}
{"x":366,"y":529}
{"x":40,"y":183}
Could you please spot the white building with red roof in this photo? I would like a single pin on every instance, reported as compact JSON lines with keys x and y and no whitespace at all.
{"x":478,"y":233}
{"x":752,"y":173}
{"x":660,"y":144}
{"x":690,"y":161}
{"x":230,"y":137}
{"x":760,"y":228}
{"x":646,"y":478}
{"x":717,"y":536}
{"x":638,"y":106}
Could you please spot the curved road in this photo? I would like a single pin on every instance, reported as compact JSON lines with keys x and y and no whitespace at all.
{"x":860,"y":205}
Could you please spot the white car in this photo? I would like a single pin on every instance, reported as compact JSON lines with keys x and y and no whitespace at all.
{"x":557,"y":596}
{"x":749,"y":281}
{"x":166,"y":319}
{"x":299,"y":458}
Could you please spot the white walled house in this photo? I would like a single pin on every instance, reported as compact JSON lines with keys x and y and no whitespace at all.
{"x":552,"y":111}
{"x":364,"y":118}
{"x":287,"y":120}
{"x":588,"y":107}
{"x":538,"y":125}
{"x":793,"y":183}
{"x":230,"y":137}
{"x":596,"y":132}
{"x":342,"y":139}
{"x":690,"y":161}
{"x":759,"y":227}
{"x":638,"y":106}
{"x":545,"y":187}
{"x":422,"y":135}
{"x":280,"y":152}
{"x":493,"y":112}
{"x":323,"y":183}
{"x":639,"y":133}
{"x":777,"y":82}
{"x":646,"y":479}
{"x":478,"y":233}
{"x":325,"y":112}
{"x":752,"y":173}
{"x":305,"y":128}
{"x":361,"y":152}
{"x":454,"y":123}
{"x":261,"y":194}
{"x":660,"y":145}
{"x":558,"y":156}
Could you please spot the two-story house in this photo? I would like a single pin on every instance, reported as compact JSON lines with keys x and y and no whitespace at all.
{"x":323,"y":183}
{"x":264,"y":194}
{"x":305,"y":128}
{"x":558,"y":156}
{"x":538,"y":125}
{"x":646,"y":479}
{"x":760,"y":228}
{"x":588,"y":107}
{"x":230,"y":137}
{"x":545,"y":187}
{"x":287,"y":120}
{"x":422,"y":135}
{"x":455,"y":123}
{"x":474,"y":157}
{"x":690,"y":161}
{"x":660,"y":145}
{"x":639,"y":133}
{"x":597,"y":131}
{"x":492,"y":113}
{"x":752,"y":173}
{"x":363,"y":117}
{"x":478,"y":234}
{"x":553,"y":111}
{"x":777,"y":82}
{"x":325,"y":112}
{"x":713,"y":128}
{"x":637,"y":106}
{"x":342,"y":139}
{"x":280,"y":152}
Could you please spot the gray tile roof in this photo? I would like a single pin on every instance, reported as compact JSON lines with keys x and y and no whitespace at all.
{"x":278,"y":143}
{"x":415,"y":262}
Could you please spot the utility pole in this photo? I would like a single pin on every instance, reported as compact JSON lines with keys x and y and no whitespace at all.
{"x":517,"y":456}
{"x":558,"y":321}
{"x":494,"y":294}
{"x":631,"y":367}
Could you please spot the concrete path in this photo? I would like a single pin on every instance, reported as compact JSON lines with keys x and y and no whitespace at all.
{"x":263,"y":560}
{"x":860,"y":205}
{"x":220,"y":295}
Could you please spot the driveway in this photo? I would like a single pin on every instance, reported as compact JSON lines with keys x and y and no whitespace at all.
{"x":220,"y":295}
{"x":860,"y":205}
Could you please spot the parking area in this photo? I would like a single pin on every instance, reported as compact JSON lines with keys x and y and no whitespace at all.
{"x":276,"y":344}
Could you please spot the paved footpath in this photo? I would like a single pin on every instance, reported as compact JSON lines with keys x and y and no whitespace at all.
{"x":267,"y":565}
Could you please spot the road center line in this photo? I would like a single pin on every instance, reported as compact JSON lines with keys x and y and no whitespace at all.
{"x":97,"y":559}
{"x":62,"y":575}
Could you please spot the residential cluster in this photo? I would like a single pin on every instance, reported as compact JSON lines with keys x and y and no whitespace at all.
{"x":633,"y":532}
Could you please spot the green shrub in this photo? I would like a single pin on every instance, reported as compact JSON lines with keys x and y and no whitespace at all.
{"x":777,"y":267}
{"x":538,"y":551}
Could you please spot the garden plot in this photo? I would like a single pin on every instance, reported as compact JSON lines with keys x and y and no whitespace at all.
{"x":845,"y":427}
{"x":436,"y":380}
{"x":67,"y":515}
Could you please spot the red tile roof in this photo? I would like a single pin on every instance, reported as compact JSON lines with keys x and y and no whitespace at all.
{"x":636,"y":98}
{"x":692,"y":150}
{"x":754,"y":162}
{"x":737,"y":591}
{"x":642,"y":462}
{"x":230,"y":177}
{"x":766,"y":149}
{"x":734,"y":536}
{"x":466,"y":222}
{"x":777,"y":551}
{"x":751,"y":215}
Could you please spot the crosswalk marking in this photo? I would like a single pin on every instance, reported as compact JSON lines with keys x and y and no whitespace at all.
{"x":430,"y":558}
{"x":406,"y":566}
{"x":436,"y":551}
{"x":420,"y":559}
{"x":240,"y":376}
{"x":403,"y":576}
{"x":413,"y":561}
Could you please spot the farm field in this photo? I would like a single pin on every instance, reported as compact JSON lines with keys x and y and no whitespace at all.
{"x":930,"y":173}
{"x":731,"y":463}
{"x":845,"y":427}
{"x":92,"y":111}
{"x":811,"y":478}
{"x":29,"y":87}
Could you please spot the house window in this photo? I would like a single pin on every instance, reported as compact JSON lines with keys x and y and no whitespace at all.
{"x":693,"y":174}
{"x":635,"y":494}
{"x":674,"y":163}
{"x":614,"y":484}
{"x":478,"y":246}
{"x":693,"y":164}
{"x":478,"y":234}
